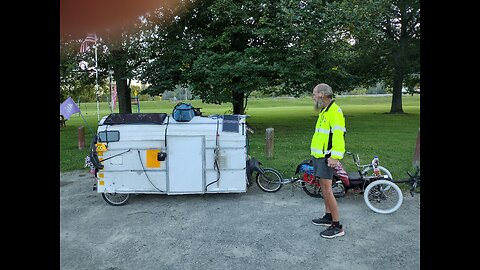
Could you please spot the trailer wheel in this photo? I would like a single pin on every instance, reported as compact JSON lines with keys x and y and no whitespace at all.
{"x":116,"y":199}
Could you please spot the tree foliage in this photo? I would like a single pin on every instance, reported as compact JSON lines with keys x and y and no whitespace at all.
{"x":386,"y":42}
{"x":74,"y":82}
{"x":223,"y":50}
{"x":227,"y":49}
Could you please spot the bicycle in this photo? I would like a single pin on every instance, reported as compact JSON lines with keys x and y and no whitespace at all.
{"x":267,"y":179}
{"x":343,"y":181}
{"x":264,"y":177}
{"x":270,"y":180}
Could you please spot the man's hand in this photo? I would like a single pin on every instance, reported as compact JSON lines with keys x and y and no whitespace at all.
{"x":331,"y":162}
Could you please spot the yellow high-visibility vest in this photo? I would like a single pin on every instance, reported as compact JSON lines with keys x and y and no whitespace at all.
{"x":328,"y":139}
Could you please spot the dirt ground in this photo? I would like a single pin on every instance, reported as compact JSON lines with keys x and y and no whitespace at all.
{"x":251,"y":230}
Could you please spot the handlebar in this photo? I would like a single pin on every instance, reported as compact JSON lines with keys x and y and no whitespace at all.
{"x":356,"y":158}
{"x":413,"y":180}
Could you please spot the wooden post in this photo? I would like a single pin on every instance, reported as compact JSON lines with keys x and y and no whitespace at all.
{"x":81,"y":138}
{"x":269,"y":142}
{"x":416,"y":154}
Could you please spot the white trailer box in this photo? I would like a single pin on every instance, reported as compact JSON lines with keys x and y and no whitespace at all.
{"x":204,"y":155}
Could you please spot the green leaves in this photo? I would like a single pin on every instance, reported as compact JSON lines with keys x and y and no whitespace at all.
{"x":226,"y":49}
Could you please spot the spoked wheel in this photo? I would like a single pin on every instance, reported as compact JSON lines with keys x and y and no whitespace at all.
{"x":270,"y":180}
{"x":116,"y":199}
{"x":312,"y":189}
{"x":315,"y":191}
{"x":383,"y":196}
{"x":338,"y":189}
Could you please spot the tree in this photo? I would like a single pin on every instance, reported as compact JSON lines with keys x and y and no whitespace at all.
{"x":116,"y":23}
{"x":386,"y":42}
{"x":75,"y":82}
{"x":317,"y":48}
{"x":117,"y":56}
{"x":117,"y":50}
{"x":224,"y":50}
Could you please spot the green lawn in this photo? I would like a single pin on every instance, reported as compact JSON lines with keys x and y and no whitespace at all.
{"x":370,"y":130}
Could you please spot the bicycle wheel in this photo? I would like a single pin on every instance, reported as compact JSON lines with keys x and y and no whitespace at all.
{"x":312,"y":190}
{"x":383,"y":171}
{"x":383,"y":196}
{"x":116,"y":199}
{"x":312,"y":187}
{"x":315,"y":191}
{"x":270,"y":180}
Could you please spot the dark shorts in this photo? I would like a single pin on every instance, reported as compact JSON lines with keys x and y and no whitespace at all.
{"x":320,"y":168}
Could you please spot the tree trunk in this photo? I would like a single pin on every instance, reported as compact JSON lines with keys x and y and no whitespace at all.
{"x":400,"y":60}
{"x":237,"y":101}
{"x":123,"y":91}
{"x":398,"y":76}
{"x":238,"y":43}
{"x":397,"y":91}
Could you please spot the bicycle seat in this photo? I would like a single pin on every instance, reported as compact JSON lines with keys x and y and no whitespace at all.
{"x":354,"y":176}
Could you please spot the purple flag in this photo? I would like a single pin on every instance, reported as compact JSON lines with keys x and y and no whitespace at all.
{"x":68,"y":107}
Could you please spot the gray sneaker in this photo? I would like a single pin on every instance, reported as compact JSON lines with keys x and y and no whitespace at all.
{"x":323,"y":221}
{"x":332,"y":232}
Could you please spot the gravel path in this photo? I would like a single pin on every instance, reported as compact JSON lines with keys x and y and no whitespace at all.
{"x":252,"y":230}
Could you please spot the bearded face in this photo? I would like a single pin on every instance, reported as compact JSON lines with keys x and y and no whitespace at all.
{"x":318,"y":104}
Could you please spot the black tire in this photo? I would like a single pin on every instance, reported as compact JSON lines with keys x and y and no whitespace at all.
{"x":312,"y":190}
{"x":116,"y":199}
{"x":316,"y":192}
{"x":339,"y":189}
{"x":270,"y":180}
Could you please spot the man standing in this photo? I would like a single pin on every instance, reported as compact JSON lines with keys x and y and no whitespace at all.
{"x":327,"y":148}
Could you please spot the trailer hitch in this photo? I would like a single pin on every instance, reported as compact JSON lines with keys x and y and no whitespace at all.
{"x":253,"y":165}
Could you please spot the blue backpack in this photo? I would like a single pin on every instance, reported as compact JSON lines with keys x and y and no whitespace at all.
{"x":183,"y":112}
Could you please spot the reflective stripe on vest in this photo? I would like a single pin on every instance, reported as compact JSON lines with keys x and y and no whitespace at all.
{"x":321,"y":130}
{"x":336,"y":153}
{"x":318,"y":151}
{"x":339,"y":128}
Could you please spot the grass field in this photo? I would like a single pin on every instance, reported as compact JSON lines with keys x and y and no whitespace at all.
{"x":370,"y":130}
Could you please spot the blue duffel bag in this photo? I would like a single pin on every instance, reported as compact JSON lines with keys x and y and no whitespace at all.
{"x":183,"y":112}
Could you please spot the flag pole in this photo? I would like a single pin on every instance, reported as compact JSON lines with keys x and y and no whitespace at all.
{"x":91,"y":130}
{"x":96,"y":79}
{"x":110,"y":86}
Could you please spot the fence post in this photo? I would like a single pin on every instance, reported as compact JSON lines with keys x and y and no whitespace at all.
{"x":269,"y":134}
{"x":416,"y":154}
{"x":81,"y":138}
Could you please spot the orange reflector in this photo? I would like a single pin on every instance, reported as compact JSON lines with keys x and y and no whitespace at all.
{"x":152,"y":160}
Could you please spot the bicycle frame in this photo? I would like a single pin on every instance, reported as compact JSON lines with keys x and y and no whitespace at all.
{"x":380,"y":192}
{"x":356,"y":180}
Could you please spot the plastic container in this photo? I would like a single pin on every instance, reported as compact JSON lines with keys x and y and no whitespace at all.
{"x":375,"y":163}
